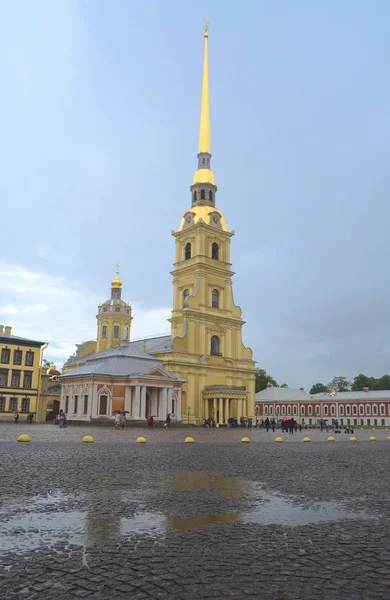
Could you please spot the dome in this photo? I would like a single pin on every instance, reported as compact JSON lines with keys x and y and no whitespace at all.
{"x":116,"y":282}
{"x":203,"y":176}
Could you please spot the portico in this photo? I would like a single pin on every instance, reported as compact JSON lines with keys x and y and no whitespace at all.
{"x":222,"y":403}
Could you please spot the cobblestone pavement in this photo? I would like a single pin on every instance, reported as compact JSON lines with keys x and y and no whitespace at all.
{"x":214,"y":519}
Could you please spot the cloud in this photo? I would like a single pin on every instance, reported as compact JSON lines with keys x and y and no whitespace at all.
{"x":52,"y":309}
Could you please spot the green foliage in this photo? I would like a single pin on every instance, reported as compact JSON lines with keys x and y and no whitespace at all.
{"x":284,"y":385}
{"x":340,"y":384}
{"x":361,"y":381}
{"x":318,"y":388}
{"x":262,"y":378}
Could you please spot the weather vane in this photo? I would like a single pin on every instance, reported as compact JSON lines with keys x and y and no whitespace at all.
{"x":206,"y":24}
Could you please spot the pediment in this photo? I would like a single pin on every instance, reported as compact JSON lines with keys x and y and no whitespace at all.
{"x":157,"y":372}
{"x":215,"y":329}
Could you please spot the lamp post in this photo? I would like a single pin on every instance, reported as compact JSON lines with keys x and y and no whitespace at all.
{"x":188,"y":415}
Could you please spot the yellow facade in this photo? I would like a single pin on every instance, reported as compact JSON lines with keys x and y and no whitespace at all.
{"x":113,"y":319}
{"x":50,"y":395}
{"x":20,"y":360}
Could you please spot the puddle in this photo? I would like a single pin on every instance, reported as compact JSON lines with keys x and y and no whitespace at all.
{"x":32,"y":530}
{"x":224,"y":487}
{"x":183,"y":523}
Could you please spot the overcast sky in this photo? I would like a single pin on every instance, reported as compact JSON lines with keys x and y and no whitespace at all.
{"x":99,"y":128}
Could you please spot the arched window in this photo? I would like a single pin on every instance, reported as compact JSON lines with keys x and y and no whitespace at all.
{"x":368,"y":409}
{"x":354,"y":409}
{"x":348,"y":410}
{"x":325,"y":410}
{"x":361,"y":409}
{"x":278,"y":410}
{"x":202,"y":195}
{"x":195,"y":196}
{"x":215,"y":299}
{"x":341,"y":410}
{"x":332,"y":410}
{"x":294,"y":410}
{"x":310,"y":409}
{"x":271,"y":410}
{"x":210,"y":196}
{"x":382,"y":409}
{"x":289,"y":410}
{"x":187,"y":251}
{"x":318,"y":409}
{"x":214,"y":345}
{"x":374,"y":409}
{"x":186,"y":294}
{"x":266,"y":410}
{"x":104,"y":331}
{"x":215,"y":251}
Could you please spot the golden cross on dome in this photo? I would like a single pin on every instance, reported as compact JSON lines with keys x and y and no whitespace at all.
{"x":206,"y":24}
{"x":117,"y":268}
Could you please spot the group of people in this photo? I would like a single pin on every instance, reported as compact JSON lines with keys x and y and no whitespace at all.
{"x":30,"y":417}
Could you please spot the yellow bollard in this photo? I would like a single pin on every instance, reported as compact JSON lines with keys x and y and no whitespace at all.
{"x":388,"y":437}
{"x":331,"y":439}
{"x":23,"y":438}
{"x":89,"y":439}
{"x":372,"y":438}
{"x":306,"y":439}
{"x":352,"y":439}
{"x":245,"y":439}
{"x":189,"y":440}
{"x":278,"y":439}
{"x":141,"y":440}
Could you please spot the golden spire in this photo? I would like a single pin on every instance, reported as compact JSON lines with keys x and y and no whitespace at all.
{"x":204,"y":132}
{"x":116,"y":283}
{"x":204,"y":174}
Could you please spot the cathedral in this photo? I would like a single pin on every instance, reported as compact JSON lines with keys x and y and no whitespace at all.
{"x":205,"y":352}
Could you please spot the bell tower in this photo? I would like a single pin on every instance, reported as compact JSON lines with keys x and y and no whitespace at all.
{"x":206,"y":324}
{"x":113,"y":318}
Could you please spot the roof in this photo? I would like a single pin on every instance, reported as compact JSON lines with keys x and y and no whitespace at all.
{"x":162,"y":343}
{"x":15,"y":338}
{"x":275,"y":394}
{"x":351,"y":396}
{"x":122,"y":361}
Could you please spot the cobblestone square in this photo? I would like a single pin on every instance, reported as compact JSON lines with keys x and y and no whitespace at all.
{"x":213,"y":519}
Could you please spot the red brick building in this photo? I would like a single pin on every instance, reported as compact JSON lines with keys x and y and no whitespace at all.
{"x":348,"y":408}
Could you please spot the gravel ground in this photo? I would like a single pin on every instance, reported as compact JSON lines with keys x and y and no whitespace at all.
{"x":214,"y":519}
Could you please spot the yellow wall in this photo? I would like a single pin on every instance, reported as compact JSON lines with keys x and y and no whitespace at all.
{"x":20,"y":392}
{"x":110,"y":320}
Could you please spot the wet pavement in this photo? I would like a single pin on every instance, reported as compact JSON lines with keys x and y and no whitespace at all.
{"x":214,"y":519}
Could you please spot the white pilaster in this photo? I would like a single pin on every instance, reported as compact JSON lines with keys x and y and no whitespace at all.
{"x":178,"y":415}
{"x":128,"y":401}
{"x":137,"y":402}
{"x":220,"y":420}
{"x":164,"y":402}
{"x":170,"y":401}
{"x":143,"y":402}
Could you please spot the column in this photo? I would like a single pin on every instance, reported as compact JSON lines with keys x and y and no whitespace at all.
{"x":220,"y":420}
{"x":170,"y":401}
{"x":137,"y":402}
{"x":164,"y":402}
{"x":227,"y":409}
{"x":178,"y":415}
{"x":239,"y":409}
{"x":214,"y":415}
{"x":143,"y":402}
{"x":244,"y":408}
{"x":128,"y":401}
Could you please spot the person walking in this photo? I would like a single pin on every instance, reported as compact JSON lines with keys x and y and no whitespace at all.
{"x":291,"y":423}
{"x":122,"y":420}
{"x":273,"y":425}
{"x":267,"y":424}
{"x":168,"y":421}
{"x":61,"y":419}
{"x":150,"y":422}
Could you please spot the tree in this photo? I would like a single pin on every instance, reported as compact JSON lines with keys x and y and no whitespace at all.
{"x":360,"y":382}
{"x":318,"y":388}
{"x":284,"y":385}
{"x":262,"y":378}
{"x":45,"y":364}
{"x":340,"y":384}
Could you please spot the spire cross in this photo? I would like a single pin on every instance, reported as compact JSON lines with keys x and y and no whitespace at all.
{"x":117,"y":269}
{"x":206,"y":24}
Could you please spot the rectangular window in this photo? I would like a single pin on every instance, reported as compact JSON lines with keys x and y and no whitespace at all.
{"x":103,"y":405}
{"x":27,"y":379}
{"x":2,"y":404}
{"x":13,"y":404}
{"x":342,"y":421}
{"x":18,"y":354}
{"x":361,"y":422}
{"x":368,"y":422}
{"x":76,"y":401}
{"x":382,"y":422}
{"x":3,"y":377}
{"x":29,"y":358}
{"x":5,"y":356}
{"x":104,"y":331}
{"x":310,"y":421}
{"x":25,"y":405}
{"x":375,"y":422}
{"x":116,"y":331}
{"x":66,"y":404}
{"x":355,"y":421}
{"x":348,"y":421}
{"x":15,"y":380}
{"x":85,"y":404}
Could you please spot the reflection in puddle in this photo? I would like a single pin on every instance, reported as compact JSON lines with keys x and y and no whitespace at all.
{"x":249,"y":504}
{"x":183,"y":523}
